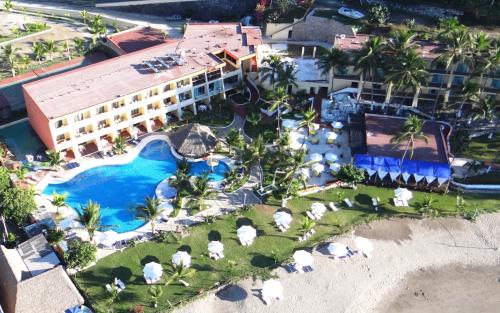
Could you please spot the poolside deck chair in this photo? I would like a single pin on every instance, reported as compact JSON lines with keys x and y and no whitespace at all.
{"x":311,"y":215}
{"x":348,"y":202}
{"x":119,"y":283}
{"x":290,"y":268}
{"x":332,"y":206}
{"x":308,"y":269}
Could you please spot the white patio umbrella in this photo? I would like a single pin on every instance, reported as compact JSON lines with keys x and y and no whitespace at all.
{"x":315,"y":157}
{"x":364,"y":245}
{"x":272,"y":289}
{"x":337,"y":125}
{"x":303,"y":258}
{"x":288,"y":123}
{"x":108,"y":238}
{"x":330,"y":137}
{"x":152,"y":271}
{"x":282,"y":218}
{"x":337,"y":249}
{"x":318,"y":208}
{"x":317,"y":168}
{"x":334,"y":167}
{"x":331,"y":157}
{"x":215,"y":247}
{"x":68,"y":223}
{"x":181,"y":257}
{"x":166,"y":209}
{"x":305,"y":172}
{"x":246,"y":233}
{"x":403,"y":193}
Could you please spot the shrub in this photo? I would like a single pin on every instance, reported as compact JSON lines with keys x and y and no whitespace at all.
{"x":17,"y":204}
{"x":348,"y":173}
{"x":4,"y":179}
{"x":379,"y":15}
{"x":54,"y":235}
{"x":80,"y":253}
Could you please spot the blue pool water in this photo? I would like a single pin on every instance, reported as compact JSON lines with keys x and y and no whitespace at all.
{"x":120,"y":188}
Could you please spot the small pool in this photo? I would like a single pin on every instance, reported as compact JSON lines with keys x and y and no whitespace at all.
{"x":21,"y":139}
{"x":120,"y":188}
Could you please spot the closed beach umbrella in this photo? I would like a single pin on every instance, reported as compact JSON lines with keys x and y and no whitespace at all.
{"x":215,"y":247}
{"x":181,"y":257}
{"x":272,"y":289}
{"x":303,"y":258}
{"x":68,"y":223}
{"x":152,"y":271}
{"x":318,"y":208}
{"x":403,"y":193}
{"x":317,"y":168}
{"x":246,"y":233}
{"x":108,"y":238}
{"x":337,"y":125}
{"x":282,"y":218}
{"x":364,"y":245}
{"x":315,"y":157}
{"x":334,"y":167}
{"x":337,"y":249}
{"x":331,"y":157}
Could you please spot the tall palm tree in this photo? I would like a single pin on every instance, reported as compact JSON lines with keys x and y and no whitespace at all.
{"x":202,"y":189}
{"x":50,"y":48}
{"x":59,"y":200}
{"x":279,"y":99}
{"x":287,"y":76}
{"x":149,"y":211}
{"x":296,"y":161}
{"x":234,"y":140}
{"x":412,"y":131}
{"x":79,"y":44}
{"x":485,"y":62}
{"x":39,"y":51}
{"x":90,"y":217}
{"x":407,"y":71}
{"x":330,"y":61}
{"x":446,"y":27}
{"x":308,"y":119}
{"x":456,"y":51}
{"x":269,"y":70}
{"x":470,"y":92}
{"x":258,"y":148}
{"x":369,"y":60}
{"x":54,"y":158}
{"x":484,"y":109}
{"x":9,"y":53}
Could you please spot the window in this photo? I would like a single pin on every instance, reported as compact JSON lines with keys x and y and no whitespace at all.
{"x":135,"y":112}
{"x":150,"y":106}
{"x":79,"y":117}
{"x":100,"y":110}
{"x":437,"y":79}
{"x":495,"y":83}
{"x":81,"y":130}
{"x":102,"y":124}
{"x":59,"y":124}
{"x":60,"y":138}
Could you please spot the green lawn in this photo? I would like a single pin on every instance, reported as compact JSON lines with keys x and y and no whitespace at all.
{"x":483,"y":149}
{"x":240,"y":261}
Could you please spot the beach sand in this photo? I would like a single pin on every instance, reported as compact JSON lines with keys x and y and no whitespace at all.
{"x":448,"y":263}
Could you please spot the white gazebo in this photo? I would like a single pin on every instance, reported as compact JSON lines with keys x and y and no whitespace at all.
{"x":302,"y":259}
{"x":152,"y":272}
{"x":282,"y":219}
{"x":338,"y":249}
{"x":330,"y":137}
{"x":364,"y":245}
{"x":181,"y":258}
{"x":337,"y":125}
{"x":317,"y":169}
{"x":315,"y":157}
{"x":334,"y":167}
{"x":271,"y":289}
{"x":246,"y":234}
{"x":403,"y":193}
{"x":331,"y":157}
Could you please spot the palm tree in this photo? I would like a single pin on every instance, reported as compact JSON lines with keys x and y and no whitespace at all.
{"x":230,"y":176}
{"x":330,"y":61}
{"x":308,"y":119}
{"x":202,"y":189}
{"x":234,"y":140}
{"x":369,"y":60}
{"x":412,"y":131}
{"x":65,"y":46}
{"x":485,"y":62}
{"x":24,"y":60}
{"x":180,"y":273}
{"x":79,"y":45}
{"x":484,"y":109}
{"x":155,"y":292}
{"x":50,"y":47}
{"x":426,"y":208}
{"x":258,"y":148}
{"x":149,"y":211}
{"x":296,"y":161}
{"x":446,"y":27}
{"x":8,"y":5}
{"x":10,"y":55}
{"x":401,"y":41}
{"x":90,"y":217}
{"x":39,"y":51}
{"x":456,"y":51}
{"x":253,"y":118}
{"x":287,"y":76}
{"x":85,"y":16}
{"x":54,"y":158}
{"x":279,"y":99}
{"x":270,"y":69}
{"x":59,"y":200}
{"x":408,"y":71}
{"x":470,"y":92}
{"x":306,"y":225}
{"x":119,"y":145}
{"x":183,"y":169}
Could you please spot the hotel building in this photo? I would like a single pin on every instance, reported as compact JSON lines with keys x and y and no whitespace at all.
{"x":84,"y":110}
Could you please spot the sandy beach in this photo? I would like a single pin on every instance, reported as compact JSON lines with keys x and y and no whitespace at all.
{"x":443,"y":265}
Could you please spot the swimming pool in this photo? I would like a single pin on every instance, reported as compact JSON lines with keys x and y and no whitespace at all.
{"x":120,"y":188}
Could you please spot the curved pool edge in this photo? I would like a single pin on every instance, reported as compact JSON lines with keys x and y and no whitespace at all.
{"x":62,"y":177}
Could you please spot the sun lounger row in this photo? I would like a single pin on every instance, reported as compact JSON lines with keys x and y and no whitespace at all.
{"x":293,"y":268}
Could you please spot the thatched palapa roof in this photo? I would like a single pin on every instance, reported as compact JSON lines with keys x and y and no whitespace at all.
{"x":193,"y":140}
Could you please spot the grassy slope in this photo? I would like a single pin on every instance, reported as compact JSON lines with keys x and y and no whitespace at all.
{"x":239,"y":260}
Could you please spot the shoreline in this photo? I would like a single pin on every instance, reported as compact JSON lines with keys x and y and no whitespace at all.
{"x":361,"y":285}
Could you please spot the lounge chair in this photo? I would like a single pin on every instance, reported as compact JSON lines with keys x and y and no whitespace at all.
{"x":311,"y":216}
{"x":308,"y":269}
{"x":290,"y":268}
{"x":332,"y":206}
{"x":119,"y":283}
{"x":348,"y":202}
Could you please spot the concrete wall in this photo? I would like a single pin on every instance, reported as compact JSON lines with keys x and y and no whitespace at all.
{"x":278,"y":31}
{"x":38,"y":121}
{"x":320,"y":29}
